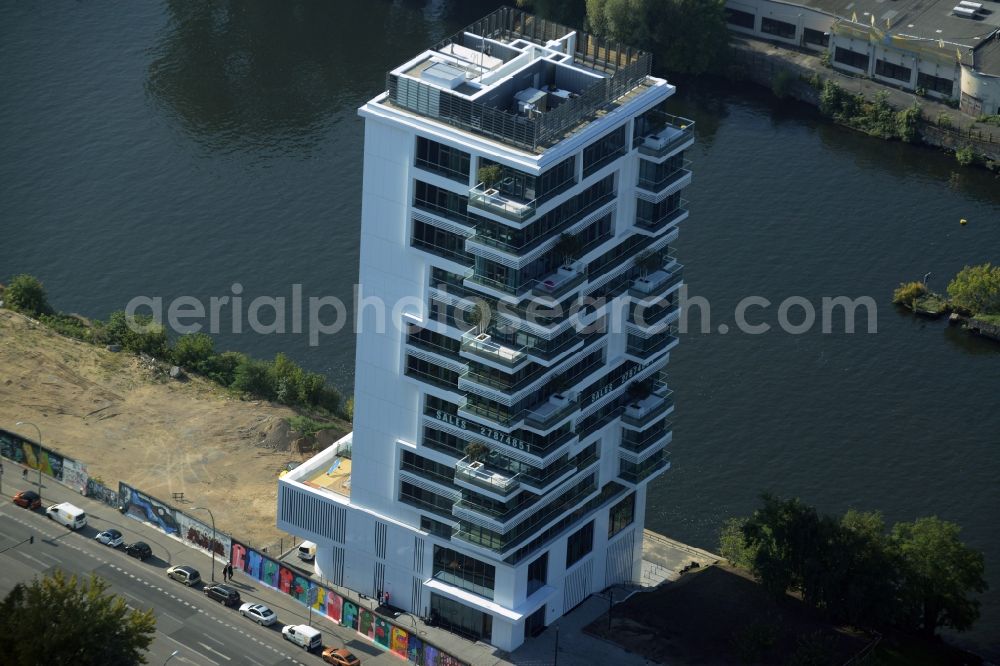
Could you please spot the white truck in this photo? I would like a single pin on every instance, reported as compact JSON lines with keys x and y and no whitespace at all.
{"x":307,"y":551}
{"x":66,"y":514}
{"x":303,"y":635}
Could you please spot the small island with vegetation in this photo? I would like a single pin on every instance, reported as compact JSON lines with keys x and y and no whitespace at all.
{"x":973,"y":299}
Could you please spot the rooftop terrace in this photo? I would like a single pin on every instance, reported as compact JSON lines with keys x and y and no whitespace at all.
{"x":519,"y":79}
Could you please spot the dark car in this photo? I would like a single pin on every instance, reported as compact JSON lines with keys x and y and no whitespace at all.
{"x":139,"y":549}
{"x":28,"y":499}
{"x":223,"y":594}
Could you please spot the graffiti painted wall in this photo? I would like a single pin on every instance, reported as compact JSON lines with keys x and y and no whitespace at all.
{"x":141,"y":506}
{"x":75,"y":475}
{"x":376,"y":628}
{"x":27,"y":453}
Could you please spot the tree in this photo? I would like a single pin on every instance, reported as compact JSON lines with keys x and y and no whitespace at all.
{"x":26,"y":295}
{"x":251,"y":377}
{"x":907,"y":292}
{"x":476,"y":451}
{"x":684,"y":36}
{"x":135,"y":333}
{"x":733,"y":546}
{"x":568,"y":247}
{"x":68,"y":621}
{"x":939,"y":573}
{"x":193,"y":351}
{"x":490,"y":175}
{"x":977,"y":289}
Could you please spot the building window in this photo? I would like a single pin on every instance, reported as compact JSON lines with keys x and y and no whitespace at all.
{"x":777,"y":28}
{"x":621,"y":515}
{"x":538,"y":574}
{"x":816,"y":37}
{"x":603,"y":151}
{"x":738,"y":18}
{"x":427,"y":468}
{"x":851,"y":58}
{"x":435,"y":527}
{"x":431,"y":373}
{"x":445,"y":160}
{"x":937,"y":84}
{"x":461,"y":619}
{"x":442,"y":202}
{"x":579,"y":544}
{"x":440,"y":242}
{"x":463,"y":571}
{"x":893,"y":71}
{"x":424,"y":499}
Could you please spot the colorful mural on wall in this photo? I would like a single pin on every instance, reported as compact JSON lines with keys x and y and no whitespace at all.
{"x":75,"y":475}
{"x":376,"y":628}
{"x":161,"y":515}
{"x":27,"y":453}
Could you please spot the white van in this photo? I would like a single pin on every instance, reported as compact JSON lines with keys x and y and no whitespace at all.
{"x":307,"y":551}
{"x":303,"y":635}
{"x":71,"y":516}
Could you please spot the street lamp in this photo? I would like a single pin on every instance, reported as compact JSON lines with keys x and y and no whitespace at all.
{"x":172,"y":655}
{"x":38,"y":460}
{"x":211,"y":546}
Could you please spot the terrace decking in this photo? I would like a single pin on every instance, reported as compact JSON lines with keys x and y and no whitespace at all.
{"x":333,"y":478}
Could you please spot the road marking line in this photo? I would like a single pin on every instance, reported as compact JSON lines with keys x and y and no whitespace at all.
{"x":216,"y":640}
{"x":215,"y":651}
{"x":33,"y":559}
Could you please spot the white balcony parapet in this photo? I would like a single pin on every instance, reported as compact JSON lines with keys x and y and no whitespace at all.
{"x":476,"y":472}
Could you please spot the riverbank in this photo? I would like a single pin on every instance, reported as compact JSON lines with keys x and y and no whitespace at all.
{"x":799,"y":75}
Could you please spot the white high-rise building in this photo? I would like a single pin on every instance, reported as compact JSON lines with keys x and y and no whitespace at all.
{"x":504,"y":435}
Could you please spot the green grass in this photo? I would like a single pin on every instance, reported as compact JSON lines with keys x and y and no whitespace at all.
{"x":310,"y":426}
{"x":930,"y":304}
{"x":989,"y":318}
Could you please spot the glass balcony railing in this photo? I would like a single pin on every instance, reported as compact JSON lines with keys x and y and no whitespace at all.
{"x":639,"y":472}
{"x":640,"y":413}
{"x":657,"y":282}
{"x":666,"y":132}
{"x":658,"y":221}
{"x":657,"y":186}
{"x":637,"y":441}
{"x":491,"y":199}
{"x":483,"y":345}
{"x":483,"y":475}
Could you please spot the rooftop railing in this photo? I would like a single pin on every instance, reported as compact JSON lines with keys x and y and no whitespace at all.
{"x":479,"y":474}
{"x":664,"y":133}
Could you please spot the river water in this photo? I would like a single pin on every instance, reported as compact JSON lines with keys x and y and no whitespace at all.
{"x":178,"y":148}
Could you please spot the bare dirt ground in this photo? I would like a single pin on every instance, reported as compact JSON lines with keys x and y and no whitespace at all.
{"x":129,"y":423}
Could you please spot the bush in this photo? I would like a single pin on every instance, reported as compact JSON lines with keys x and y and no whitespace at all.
{"x":194,"y":351}
{"x":781,"y":84}
{"x":989,"y":120}
{"x":965,"y":156}
{"x":221,"y":368}
{"x":25,"y":294}
{"x":68,"y":325}
{"x":815,"y":81}
{"x":308,"y":426}
{"x":908,"y":123}
{"x":252,"y":378}
{"x":733,"y":545}
{"x":943,"y":120}
{"x":977,"y":289}
{"x":136,"y":333}
{"x":348,"y":412}
{"x":907,"y":292}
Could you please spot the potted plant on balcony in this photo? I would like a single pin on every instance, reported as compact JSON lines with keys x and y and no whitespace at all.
{"x":647,"y":262}
{"x":476,"y":452}
{"x":489,"y":176}
{"x":479,"y":317}
{"x":568,"y":248}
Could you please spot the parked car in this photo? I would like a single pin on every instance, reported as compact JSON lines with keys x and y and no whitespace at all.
{"x":340,"y":657}
{"x":259,"y":613}
{"x":139,"y":549}
{"x":184,"y":574}
{"x":111,"y":538}
{"x":303,"y":635}
{"x":68,"y":515}
{"x":28,"y":499}
{"x":223,"y":594}
{"x":307,"y":551}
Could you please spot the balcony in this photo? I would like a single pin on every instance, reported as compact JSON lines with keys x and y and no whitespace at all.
{"x":635,"y":473}
{"x":479,"y":474}
{"x":559,"y":282}
{"x":643,"y":349}
{"x":658,"y":186}
{"x":483,"y":346}
{"x":491,"y":200}
{"x":636,"y":441}
{"x":551,"y":412}
{"x":667,"y":134}
{"x":659,"y":222}
{"x":656,"y":283}
{"x":640,"y":413}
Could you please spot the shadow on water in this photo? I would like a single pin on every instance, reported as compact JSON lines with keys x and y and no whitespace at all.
{"x":243,"y":75}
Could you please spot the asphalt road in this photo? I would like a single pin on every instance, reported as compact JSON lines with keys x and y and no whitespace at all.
{"x":203,"y":631}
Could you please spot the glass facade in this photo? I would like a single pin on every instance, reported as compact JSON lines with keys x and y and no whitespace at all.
{"x":449,"y":162}
{"x":608,"y":148}
{"x":441,"y":242}
{"x":579,"y":544}
{"x":460,"y":619}
{"x":464,"y":571}
{"x":442,"y":202}
{"x":538,"y":574}
{"x":525,"y":186}
{"x":621,"y":515}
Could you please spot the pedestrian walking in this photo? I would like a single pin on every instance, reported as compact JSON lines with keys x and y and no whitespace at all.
{"x":227,"y":572}
{"x":24,"y":473}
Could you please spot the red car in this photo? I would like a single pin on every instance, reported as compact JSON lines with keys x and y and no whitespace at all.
{"x":28,"y":499}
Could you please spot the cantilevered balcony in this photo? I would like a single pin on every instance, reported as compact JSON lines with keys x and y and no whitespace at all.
{"x":635,"y":473}
{"x":560,"y":281}
{"x":492,"y":200}
{"x":484,"y":476}
{"x":641,"y":412}
{"x":657,"y":221}
{"x":483,"y":346}
{"x":665,"y":134}
{"x":657,"y":283}
{"x":656,"y":189}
